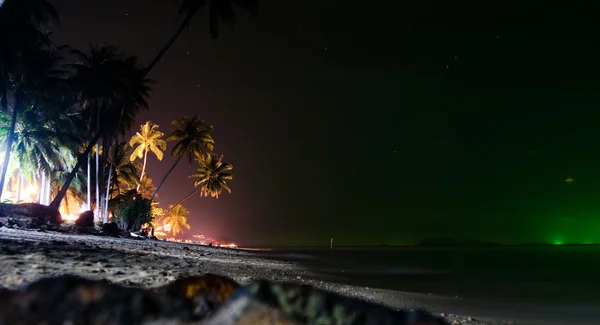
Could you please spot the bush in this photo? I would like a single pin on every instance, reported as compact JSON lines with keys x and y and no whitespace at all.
{"x":131,"y":212}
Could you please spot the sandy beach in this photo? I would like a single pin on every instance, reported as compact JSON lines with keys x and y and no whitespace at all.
{"x":26,"y":256}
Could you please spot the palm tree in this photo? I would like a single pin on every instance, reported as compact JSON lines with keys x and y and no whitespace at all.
{"x":146,"y":187}
{"x":148,"y":139}
{"x":193,"y":138}
{"x":107,"y":85}
{"x":176,"y":219}
{"x":125,"y":172}
{"x":212,"y":176}
{"x":23,"y":25}
{"x":218,"y":10}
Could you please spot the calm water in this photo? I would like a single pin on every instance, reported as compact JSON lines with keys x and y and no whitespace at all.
{"x":546,"y":274}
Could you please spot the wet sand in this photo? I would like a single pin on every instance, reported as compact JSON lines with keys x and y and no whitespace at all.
{"x":26,"y":256}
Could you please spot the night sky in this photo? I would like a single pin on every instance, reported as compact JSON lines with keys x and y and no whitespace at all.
{"x":377,"y":122}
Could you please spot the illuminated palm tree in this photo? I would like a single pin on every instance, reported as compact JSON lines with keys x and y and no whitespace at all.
{"x":193,"y":139}
{"x":212,"y":176}
{"x":218,"y":10}
{"x":147,"y":139}
{"x":176,"y":219}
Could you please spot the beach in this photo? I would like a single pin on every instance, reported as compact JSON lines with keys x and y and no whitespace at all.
{"x":26,"y":256}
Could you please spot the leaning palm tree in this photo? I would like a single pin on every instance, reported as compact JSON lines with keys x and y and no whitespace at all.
{"x":149,"y":138}
{"x":176,"y":219}
{"x":193,"y":139}
{"x":212,"y":176}
{"x":218,"y":10}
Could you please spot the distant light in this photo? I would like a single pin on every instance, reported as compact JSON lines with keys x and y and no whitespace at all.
{"x":569,"y":180}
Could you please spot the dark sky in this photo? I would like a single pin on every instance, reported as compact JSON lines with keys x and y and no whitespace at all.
{"x":378,"y":122}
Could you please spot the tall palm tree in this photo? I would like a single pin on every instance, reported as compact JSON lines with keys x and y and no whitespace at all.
{"x":24,"y":35}
{"x":212,"y":176}
{"x":108,"y":85}
{"x":147,"y":139}
{"x":218,"y":10}
{"x":177,"y":219}
{"x":193,"y":139}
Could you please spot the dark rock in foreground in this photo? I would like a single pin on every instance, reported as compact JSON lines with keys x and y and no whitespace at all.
{"x":28,"y":215}
{"x":204,"y":300}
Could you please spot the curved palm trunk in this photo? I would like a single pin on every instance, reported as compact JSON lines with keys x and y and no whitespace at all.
{"x":11,"y":138}
{"x":170,"y":43}
{"x":80,"y":161}
{"x":143,"y":169}
{"x":180,"y":201}
{"x":165,"y":178}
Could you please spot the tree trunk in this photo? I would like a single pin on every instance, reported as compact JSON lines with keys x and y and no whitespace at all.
{"x":105,"y":213}
{"x":42,"y":188}
{"x":11,"y":138}
{"x":96,"y":208}
{"x":89,"y":182}
{"x":164,"y":178}
{"x":165,"y":48}
{"x":179,"y":202}
{"x":48,"y":190}
{"x":143,"y":169}
{"x":20,"y":186}
{"x":63,"y":191}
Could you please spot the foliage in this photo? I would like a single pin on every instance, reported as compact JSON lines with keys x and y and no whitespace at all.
{"x":212,"y":175}
{"x":193,"y":137}
{"x":176,"y":219}
{"x":132,"y":211}
{"x":219,"y":10}
{"x":147,"y":139}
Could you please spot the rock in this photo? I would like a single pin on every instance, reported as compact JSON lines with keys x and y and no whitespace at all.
{"x":73,"y":300}
{"x":111,"y":228}
{"x":208,"y":292}
{"x":469,"y":319}
{"x":204,"y":300}
{"x":85,"y":220}
{"x":28,"y":215}
{"x":264,"y":302}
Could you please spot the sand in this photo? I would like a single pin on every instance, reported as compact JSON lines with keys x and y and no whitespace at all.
{"x":26,"y":256}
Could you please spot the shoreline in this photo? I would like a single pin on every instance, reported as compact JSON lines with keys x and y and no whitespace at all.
{"x":27,"y":255}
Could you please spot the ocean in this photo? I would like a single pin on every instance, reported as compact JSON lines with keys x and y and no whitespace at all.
{"x":564,"y":275}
